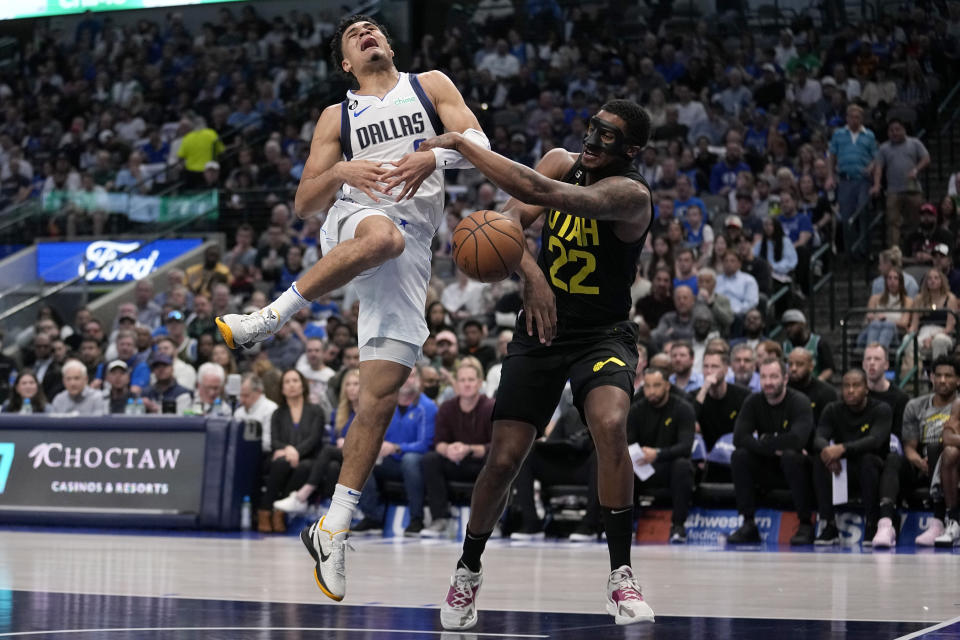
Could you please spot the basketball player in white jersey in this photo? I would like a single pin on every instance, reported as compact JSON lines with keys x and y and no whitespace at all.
{"x":375,"y":236}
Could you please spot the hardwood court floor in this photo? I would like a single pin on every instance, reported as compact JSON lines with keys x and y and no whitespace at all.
{"x":691,"y":582}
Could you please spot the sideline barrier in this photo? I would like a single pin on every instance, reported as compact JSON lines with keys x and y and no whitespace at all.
{"x":711,"y":526}
{"x":144,"y":471}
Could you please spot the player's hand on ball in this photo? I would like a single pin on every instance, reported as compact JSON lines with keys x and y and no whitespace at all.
{"x":540,"y":306}
{"x":411,"y":171}
{"x":364,"y":175}
{"x":448,"y":140}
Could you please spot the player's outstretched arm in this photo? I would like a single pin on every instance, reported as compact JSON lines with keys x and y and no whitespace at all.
{"x":326,"y":171}
{"x":617,"y":199}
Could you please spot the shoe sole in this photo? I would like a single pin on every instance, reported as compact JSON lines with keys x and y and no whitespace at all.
{"x":226,"y":332}
{"x":620,"y":620}
{"x":470,"y":624}
{"x":308,"y":543}
{"x":826,"y":543}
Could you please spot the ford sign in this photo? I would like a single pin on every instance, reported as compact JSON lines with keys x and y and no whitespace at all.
{"x":107,"y":260}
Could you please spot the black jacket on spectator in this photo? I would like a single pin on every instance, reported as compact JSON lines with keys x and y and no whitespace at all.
{"x":787,"y":425}
{"x":897,"y":399}
{"x":306,"y":438}
{"x":867,"y":431}
{"x":669,"y":428}
{"x":717,"y":417}
{"x":652,"y":309}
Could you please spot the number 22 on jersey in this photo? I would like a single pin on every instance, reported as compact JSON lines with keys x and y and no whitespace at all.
{"x":582,"y":233}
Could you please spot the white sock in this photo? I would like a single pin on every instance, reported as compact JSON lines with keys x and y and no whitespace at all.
{"x":342,"y":506}
{"x":289,"y":302}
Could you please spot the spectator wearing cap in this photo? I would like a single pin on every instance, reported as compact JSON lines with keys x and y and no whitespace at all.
{"x":127,"y":353}
{"x":175,"y":325}
{"x":723,"y":176}
{"x":184,"y":373}
{"x":201,"y":277}
{"x":770,"y":90}
{"x":126,"y":321}
{"x":899,"y":161}
{"x":799,"y":336}
{"x":918,"y":247}
{"x":77,"y":397}
{"x":164,"y":395}
{"x":116,"y":391}
{"x":448,"y":358}
{"x":944,"y":263}
{"x":211,"y":175}
{"x":739,"y":288}
{"x":851,"y":156}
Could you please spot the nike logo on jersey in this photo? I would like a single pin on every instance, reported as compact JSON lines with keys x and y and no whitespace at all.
{"x":357,"y":113}
{"x":603,"y":363}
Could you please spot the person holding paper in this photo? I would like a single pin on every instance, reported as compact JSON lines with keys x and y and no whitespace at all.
{"x":663,"y":426}
{"x":856,"y":431}
{"x":770,"y":433}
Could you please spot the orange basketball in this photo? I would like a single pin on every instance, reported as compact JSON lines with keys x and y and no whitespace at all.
{"x":488,"y":246}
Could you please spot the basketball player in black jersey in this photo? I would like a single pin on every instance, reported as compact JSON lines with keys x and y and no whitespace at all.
{"x":577,"y":300}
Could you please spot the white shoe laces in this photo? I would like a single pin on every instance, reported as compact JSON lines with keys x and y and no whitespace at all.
{"x":630,"y":589}
{"x":462,"y":591}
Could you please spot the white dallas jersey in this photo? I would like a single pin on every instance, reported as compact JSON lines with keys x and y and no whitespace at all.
{"x":384,"y":131}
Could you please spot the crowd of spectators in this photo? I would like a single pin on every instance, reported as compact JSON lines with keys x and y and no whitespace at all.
{"x":140,"y":106}
{"x":763,"y":148}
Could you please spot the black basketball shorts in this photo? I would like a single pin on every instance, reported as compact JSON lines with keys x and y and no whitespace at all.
{"x":534,"y":374}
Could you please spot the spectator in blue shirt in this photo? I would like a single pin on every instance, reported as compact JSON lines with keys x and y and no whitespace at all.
{"x":408,"y":437}
{"x":723,"y":176}
{"x":156,"y":150}
{"x":670,"y":68}
{"x":127,"y":351}
{"x":799,"y":228}
{"x":684,"y":272}
{"x":851,"y":154}
{"x":245,"y":116}
{"x":686,"y":198}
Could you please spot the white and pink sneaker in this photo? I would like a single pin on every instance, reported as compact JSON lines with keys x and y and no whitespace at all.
{"x":459,"y":609}
{"x":886,"y":536}
{"x":624,"y":599}
{"x":929,"y":537}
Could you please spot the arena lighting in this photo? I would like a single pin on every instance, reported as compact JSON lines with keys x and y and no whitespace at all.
{"x":14,"y":9}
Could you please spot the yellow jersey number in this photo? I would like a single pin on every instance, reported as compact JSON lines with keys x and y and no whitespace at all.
{"x":572,"y":256}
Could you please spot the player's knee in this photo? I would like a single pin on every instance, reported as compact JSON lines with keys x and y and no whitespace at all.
{"x":387,"y":242}
{"x":503,"y":464}
{"x":608,"y":426}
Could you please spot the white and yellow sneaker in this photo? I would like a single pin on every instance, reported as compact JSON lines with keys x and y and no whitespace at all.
{"x":246,"y":330}
{"x":329,"y":550}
